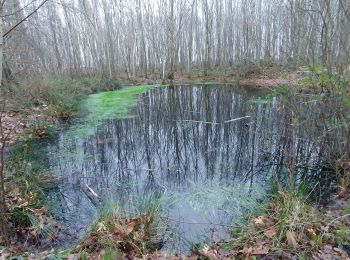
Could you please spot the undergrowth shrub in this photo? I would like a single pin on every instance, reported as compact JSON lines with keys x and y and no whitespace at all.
{"x":287,"y":223}
{"x":27,"y":181}
{"x":321,"y":80}
{"x":61,"y":95}
{"x":247,"y":69}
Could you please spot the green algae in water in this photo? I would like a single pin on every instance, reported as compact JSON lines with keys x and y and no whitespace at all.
{"x":107,"y":105}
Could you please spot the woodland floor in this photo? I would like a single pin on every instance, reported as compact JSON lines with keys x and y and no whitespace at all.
{"x":259,"y":240}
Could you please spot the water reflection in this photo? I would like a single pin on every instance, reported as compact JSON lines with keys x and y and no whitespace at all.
{"x":207,"y":152}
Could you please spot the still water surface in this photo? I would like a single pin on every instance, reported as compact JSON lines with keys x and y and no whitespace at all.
{"x":204,"y":153}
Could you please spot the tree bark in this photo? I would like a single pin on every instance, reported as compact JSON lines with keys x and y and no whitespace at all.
{"x":4,"y":226}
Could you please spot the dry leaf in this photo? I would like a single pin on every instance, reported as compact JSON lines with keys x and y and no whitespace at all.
{"x":41,"y":210}
{"x":292,"y":243}
{"x":311,"y":233}
{"x":260,"y":221}
{"x":23,"y":205}
{"x":73,"y":257}
{"x":53,"y":236}
{"x":204,"y":250}
{"x":130,"y":227}
{"x":119,"y":230}
{"x":271,"y":232}
{"x":101,"y":227}
{"x":261,"y":250}
{"x":246,"y":251}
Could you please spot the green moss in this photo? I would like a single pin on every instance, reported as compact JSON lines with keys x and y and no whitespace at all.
{"x":108,"y":105}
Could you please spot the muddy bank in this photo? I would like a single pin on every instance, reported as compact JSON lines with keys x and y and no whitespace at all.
{"x":266,"y":79}
{"x":269,"y":83}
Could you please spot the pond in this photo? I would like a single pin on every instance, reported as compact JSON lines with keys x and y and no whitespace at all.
{"x":203,"y":154}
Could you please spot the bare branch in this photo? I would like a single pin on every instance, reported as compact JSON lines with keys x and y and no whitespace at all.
{"x":24,"y":19}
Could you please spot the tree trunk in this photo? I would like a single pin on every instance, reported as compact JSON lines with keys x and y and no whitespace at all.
{"x":1,"y":47}
{"x":4,"y":227}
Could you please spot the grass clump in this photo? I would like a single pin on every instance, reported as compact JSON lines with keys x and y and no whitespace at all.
{"x":115,"y":234}
{"x":293,"y":219}
{"x":285,"y":226}
{"x":27,"y":181}
{"x":29,"y":219}
{"x":291,"y":226}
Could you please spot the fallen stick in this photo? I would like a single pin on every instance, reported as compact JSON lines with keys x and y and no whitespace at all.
{"x":92,"y":195}
{"x":236,"y":119}
{"x":202,"y":122}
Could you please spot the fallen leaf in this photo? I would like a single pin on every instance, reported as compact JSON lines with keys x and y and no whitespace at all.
{"x":246,"y":251}
{"x":204,"y":250}
{"x":73,"y":257}
{"x":311,"y":233}
{"x":292,"y":243}
{"x":270,"y":232}
{"x":261,"y":250}
{"x":130,"y":227}
{"x":101,"y":227}
{"x":338,"y":250}
{"x":260,"y":221}
{"x":53,"y":236}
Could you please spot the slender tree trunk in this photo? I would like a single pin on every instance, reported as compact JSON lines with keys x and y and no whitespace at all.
{"x":4,"y":227}
{"x":1,"y":47}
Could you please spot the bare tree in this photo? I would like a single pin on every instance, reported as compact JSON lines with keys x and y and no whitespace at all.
{"x":163,"y":36}
{"x":5,"y":134}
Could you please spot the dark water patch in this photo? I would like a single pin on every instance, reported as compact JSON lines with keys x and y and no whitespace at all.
{"x":205,"y":154}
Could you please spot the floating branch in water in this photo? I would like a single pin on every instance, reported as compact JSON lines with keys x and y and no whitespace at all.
{"x":202,"y":122}
{"x":236,"y":119}
{"x":213,"y":123}
{"x":92,"y":195}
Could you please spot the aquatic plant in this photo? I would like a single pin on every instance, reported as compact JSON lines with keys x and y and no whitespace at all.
{"x":107,"y":105}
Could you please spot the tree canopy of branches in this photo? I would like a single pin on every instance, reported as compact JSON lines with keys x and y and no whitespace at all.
{"x":137,"y":36}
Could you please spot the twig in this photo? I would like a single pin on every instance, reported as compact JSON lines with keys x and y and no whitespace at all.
{"x":214,"y":123}
{"x":345,"y":216}
{"x":202,"y":122}
{"x":236,"y":119}
{"x":24,"y":19}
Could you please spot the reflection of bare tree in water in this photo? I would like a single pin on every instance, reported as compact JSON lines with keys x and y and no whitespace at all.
{"x":312,"y":140}
{"x":178,"y":137}
{"x":184,"y":137}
